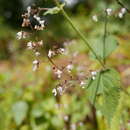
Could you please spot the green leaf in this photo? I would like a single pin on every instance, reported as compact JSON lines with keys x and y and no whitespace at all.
{"x":54,"y":10}
{"x":19,"y":110}
{"x":110,"y":45}
{"x":108,"y":92}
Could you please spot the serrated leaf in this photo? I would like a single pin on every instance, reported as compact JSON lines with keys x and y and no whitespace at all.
{"x":110,"y":45}
{"x":19,"y":110}
{"x":54,"y":10}
{"x":108,"y":92}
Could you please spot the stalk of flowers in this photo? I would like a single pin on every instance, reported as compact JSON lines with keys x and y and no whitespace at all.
{"x":64,"y":74}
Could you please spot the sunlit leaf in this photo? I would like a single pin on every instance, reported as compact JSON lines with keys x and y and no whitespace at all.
{"x":110,"y":45}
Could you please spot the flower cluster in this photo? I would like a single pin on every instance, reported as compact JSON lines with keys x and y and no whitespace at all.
{"x":31,"y":19}
{"x":69,"y":74}
{"x":120,"y":13}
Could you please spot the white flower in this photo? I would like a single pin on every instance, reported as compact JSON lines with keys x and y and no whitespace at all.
{"x":93,"y":73}
{"x":58,"y":73}
{"x":30,"y":45}
{"x":123,"y":10}
{"x":20,"y":35}
{"x":109,"y":11}
{"x":42,"y":22}
{"x":82,"y":83}
{"x":51,"y":53}
{"x":95,"y":18}
{"x":61,"y":50}
{"x":37,"y":18}
{"x":93,"y":77}
{"x":35,"y":67}
{"x":40,"y":43}
{"x":60,"y":90}
{"x":69,"y":67}
{"x":37,"y":53}
{"x":66,"y":118}
{"x":35,"y":62}
{"x":73,"y":126}
{"x":54,"y":92}
{"x":29,"y":10}
{"x":120,"y":15}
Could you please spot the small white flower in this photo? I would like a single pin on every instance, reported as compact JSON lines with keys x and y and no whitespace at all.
{"x":35,"y":67}
{"x":54,"y":92}
{"x":29,"y":10}
{"x":58,"y":73}
{"x":123,"y":10}
{"x":40,"y":43}
{"x":51,"y":53}
{"x":82,"y":83}
{"x":66,"y":118}
{"x":37,"y":53}
{"x":61,"y":50}
{"x":60,"y":90}
{"x":69,"y":67}
{"x":73,"y":126}
{"x":95,"y":18}
{"x":93,"y":77}
{"x":30,"y":45}
{"x":120,"y":15}
{"x":93,"y":73}
{"x":35,"y":62}
{"x":20,"y":35}
{"x":37,"y":18}
{"x":42,"y":22}
{"x":109,"y":11}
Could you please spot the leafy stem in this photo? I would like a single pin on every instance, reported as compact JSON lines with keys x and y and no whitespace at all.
{"x":79,"y":33}
{"x":104,"y":37}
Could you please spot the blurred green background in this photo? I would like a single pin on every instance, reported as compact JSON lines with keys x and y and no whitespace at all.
{"x":26,"y":99}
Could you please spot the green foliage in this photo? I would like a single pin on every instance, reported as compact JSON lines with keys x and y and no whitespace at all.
{"x":106,"y":89}
{"x":19,"y":110}
{"x":101,"y":50}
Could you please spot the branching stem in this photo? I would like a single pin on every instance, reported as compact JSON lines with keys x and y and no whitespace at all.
{"x":79,"y":33}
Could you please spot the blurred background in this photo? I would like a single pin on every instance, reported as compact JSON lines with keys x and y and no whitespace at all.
{"x":26,"y":99}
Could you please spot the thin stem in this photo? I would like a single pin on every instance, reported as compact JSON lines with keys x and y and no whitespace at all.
{"x":104,"y":37}
{"x":79,"y":33}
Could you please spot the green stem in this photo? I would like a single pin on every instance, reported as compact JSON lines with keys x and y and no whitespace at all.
{"x":104,"y":38}
{"x":79,"y":33}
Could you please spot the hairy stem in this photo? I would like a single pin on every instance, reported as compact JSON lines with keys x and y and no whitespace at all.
{"x":104,"y":38}
{"x":79,"y":33}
